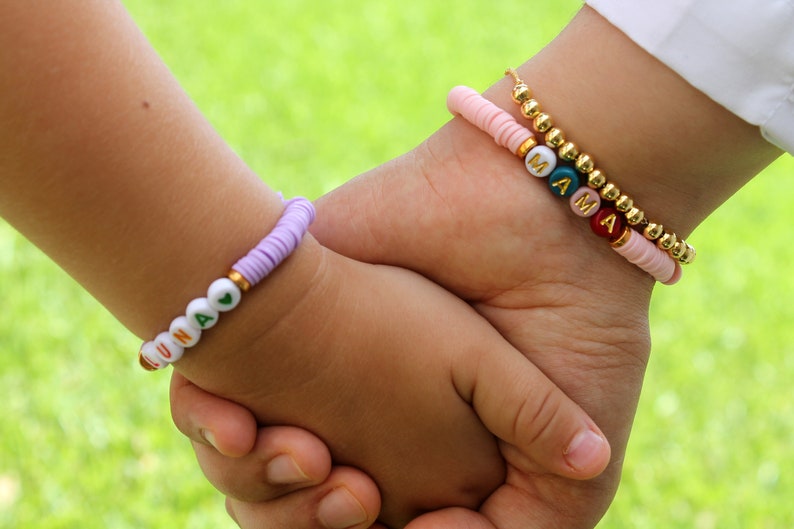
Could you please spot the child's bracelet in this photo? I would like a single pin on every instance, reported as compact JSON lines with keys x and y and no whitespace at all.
{"x":224,"y":294}
{"x":541,"y":160}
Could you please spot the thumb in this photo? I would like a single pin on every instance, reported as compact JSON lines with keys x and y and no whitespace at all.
{"x":523,"y":408}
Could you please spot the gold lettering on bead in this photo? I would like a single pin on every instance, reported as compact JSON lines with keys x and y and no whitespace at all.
{"x":585,"y":206}
{"x":562,"y":185}
{"x":538,"y":167}
{"x":609,"y":222}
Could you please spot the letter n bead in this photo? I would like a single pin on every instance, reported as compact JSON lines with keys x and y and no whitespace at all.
{"x":184,"y":334}
{"x":540,"y":161}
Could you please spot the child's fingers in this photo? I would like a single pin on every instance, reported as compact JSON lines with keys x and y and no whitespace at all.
{"x":521,"y":406}
{"x":347,"y":499}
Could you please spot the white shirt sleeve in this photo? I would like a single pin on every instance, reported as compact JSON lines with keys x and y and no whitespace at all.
{"x":738,"y":52}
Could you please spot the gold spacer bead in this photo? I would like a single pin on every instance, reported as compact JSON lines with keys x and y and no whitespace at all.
{"x":610,"y":191}
{"x":526,"y":147}
{"x":666,"y":241}
{"x":145,"y":363}
{"x":653,"y":231}
{"x":688,"y":256}
{"x":596,"y":179}
{"x":555,"y":137}
{"x":634,"y":216}
{"x":584,"y":163}
{"x":238,"y":279}
{"x":521,"y":93}
{"x":678,"y":249}
{"x":624,"y":203}
{"x":542,"y":122}
{"x":623,"y":239}
{"x":530,"y":108}
{"x":568,"y":151}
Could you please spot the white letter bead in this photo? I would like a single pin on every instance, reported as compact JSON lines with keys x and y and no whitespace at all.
{"x":223,"y":294}
{"x":200,"y":314}
{"x":150,"y":354}
{"x":184,"y":334}
{"x":167,"y":349}
{"x":540,"y":161}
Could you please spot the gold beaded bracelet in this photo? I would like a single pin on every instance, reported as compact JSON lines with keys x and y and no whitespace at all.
{"x":568,"y":151}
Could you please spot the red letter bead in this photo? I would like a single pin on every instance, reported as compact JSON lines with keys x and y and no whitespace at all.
{"x":149,"y":353}
{"x":607,"y":222}
{"x":585,"y":202}
{"x":563,"y":181}
{"x":167,"y":349}
{"x":223,"y":295}
{"x":200,"y":314}
{"x":182,"y":333}
{"x":540,"y":161}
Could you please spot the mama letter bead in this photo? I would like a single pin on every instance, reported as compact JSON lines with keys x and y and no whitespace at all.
{"x":223,"y":294}
{"x":607,"y":222}
{"x":200,"y":314}
{"x":167,"y":349}
{"x":182,"y":333}
{"x":540,"y":161}
{"x":563,"y":181}
{"x":585,"y":202}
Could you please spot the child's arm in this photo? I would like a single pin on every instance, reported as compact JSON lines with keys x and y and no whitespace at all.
{"x":108,"y":167}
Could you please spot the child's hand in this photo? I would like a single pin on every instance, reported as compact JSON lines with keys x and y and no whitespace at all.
{"x":395,"y":374}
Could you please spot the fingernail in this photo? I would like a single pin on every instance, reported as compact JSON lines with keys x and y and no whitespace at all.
{"x":339,"y":509}
{"x":586,"y":451}
{"x":209,"y":437}
{"x":283,"y":470}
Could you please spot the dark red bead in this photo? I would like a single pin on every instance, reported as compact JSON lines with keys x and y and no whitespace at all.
{"x":607,"y":222}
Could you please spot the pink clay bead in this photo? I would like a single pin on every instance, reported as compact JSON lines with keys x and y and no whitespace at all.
{"x":486,"y":116}
{"x":646,"y":255}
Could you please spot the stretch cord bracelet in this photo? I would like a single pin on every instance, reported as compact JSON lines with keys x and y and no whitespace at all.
{"x":224,"y":294}
{"x":541,"y":161}
{"x":567,"y":151}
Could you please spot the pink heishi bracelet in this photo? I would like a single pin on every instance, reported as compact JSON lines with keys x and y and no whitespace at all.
{"x":541,"y":161}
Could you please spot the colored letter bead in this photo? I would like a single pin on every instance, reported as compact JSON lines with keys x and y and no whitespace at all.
{"x":149,"y":354}
{"x":563,"y":181}
{"x":166,"y":349}
{"x":541,"y":161}
{"x":182,"y":333}
{"x":585,"y":202}
{"x":200,"y":314}
{"x":607,"y":222}
{"x":223,"y":295}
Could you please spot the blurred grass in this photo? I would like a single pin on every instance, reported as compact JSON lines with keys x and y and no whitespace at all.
{"x":310,"y":95}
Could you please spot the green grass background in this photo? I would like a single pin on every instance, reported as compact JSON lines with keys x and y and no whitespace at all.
{"x":311,"y":94}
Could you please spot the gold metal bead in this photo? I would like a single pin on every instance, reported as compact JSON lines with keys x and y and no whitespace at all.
{"x":596,"y":179}
{"x":678,"y":249}
{"x":530,"y":108}
{"x":542,"y":122}
{"x":521,"y":93}
{"x":526,"y":147}
{"x":688,"y":255}
{"x":624,"y":203}
{"x":610,"y":191}
{"x":145,"y":363}
{"x":238,"y":279}
{"x":666,"y":241}
{"x":555,"y":137}
{"x":568,"y":151}
{"x":584,"y":163}
{"x":634,"y":216}
{"x":653,"y":231}
{"x":623,"y":239}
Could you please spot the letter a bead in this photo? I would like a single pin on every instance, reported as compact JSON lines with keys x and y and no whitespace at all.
{"x":563,"y":181}
{"x":223,"y":294}
{"x":540,"y":161}
{"x":607,"y":222}
{"x":200,"y":314}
